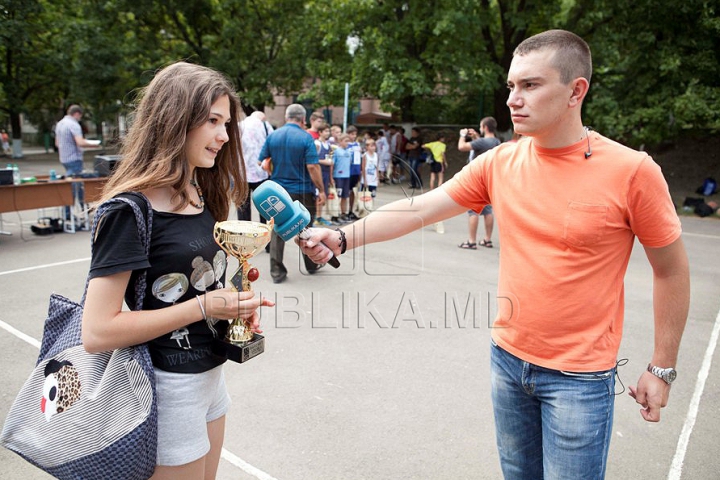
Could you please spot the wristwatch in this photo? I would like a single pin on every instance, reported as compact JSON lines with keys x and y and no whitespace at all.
{"x":666,"y":374}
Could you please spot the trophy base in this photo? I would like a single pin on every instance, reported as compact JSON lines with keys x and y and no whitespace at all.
{"x":239,"y":352}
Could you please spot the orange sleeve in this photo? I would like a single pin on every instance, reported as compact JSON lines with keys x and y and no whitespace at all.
{"x":469,"y":186}
{"x":653,"y":218}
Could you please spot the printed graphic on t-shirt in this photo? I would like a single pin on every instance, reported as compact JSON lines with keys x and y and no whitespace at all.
{"x":172,"y":286}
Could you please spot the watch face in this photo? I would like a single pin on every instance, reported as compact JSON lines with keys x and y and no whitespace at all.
{"x":671,"y":374}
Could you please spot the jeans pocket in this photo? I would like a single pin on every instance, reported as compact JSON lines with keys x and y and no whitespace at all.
{"x":590,"y":376}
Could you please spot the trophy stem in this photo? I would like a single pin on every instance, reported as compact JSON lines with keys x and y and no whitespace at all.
{"x":239,"y":330}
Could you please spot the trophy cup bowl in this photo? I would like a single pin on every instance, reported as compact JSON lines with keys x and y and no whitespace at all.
{"x":242,"y":240}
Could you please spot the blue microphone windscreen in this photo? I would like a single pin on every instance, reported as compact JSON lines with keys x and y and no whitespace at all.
{"x":273,"y":201}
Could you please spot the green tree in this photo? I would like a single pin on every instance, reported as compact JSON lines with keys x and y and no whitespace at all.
{"x":407,"y":52}
{"x":111,"y":59}
{"x":34,"y":52}
{"x":440,"y":61}
{"x":657,"y":68}
{"x":265,"y":47}
{"x":430,"y":60}
{"x":262,"y":45}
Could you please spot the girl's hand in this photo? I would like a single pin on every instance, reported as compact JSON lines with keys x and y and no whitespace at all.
{"x":225,"y":303}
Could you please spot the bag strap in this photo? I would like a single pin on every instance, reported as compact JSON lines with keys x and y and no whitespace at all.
{"x":143,"y":217}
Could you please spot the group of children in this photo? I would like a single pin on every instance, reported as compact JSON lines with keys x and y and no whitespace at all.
{"x":351,"y":165}
{"x":346,"y":165}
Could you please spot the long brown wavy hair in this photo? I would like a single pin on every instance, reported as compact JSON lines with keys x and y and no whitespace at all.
{"x":176,"y":101}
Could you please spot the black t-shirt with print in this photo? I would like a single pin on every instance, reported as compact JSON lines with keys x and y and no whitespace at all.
{"x":184,"y":261}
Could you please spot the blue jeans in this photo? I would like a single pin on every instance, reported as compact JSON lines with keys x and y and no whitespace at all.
{"x":550,"y":424}
{"x":415,"y":178}
{"x":78,"y":189}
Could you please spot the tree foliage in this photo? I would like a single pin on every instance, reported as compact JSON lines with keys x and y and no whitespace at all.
{"x":433,"y":61}
{"x":34,"y":52}
{"x":657,"y":69}
{"x":265,"y":46}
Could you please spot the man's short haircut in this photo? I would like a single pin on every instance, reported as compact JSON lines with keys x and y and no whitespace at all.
{"x":415,"y":129}
{"x":490,"y":123}
{"x":295,"y":112}
{"x":323,"y":126}
{"x":380,"y":133}
{"x":316,"y":116}
{"x":572,"y":54}
{"x":351,"y":129}
{"x":344,"y":136}
{"x":73,"y":109}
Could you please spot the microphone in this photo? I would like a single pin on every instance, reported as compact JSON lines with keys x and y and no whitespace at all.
{"x":291,"y":217}
{"x":587,"y":136}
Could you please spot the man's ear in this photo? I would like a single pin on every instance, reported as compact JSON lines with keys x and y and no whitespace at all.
{"x":580,"y":87}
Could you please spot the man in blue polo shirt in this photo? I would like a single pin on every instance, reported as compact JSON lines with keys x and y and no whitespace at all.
{"x":296,"y":168}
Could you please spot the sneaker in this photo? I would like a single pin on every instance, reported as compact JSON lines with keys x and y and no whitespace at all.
{"x":321,"y":222}
{"x":345,"y":218}
{"x":335,"y":220}
{"x":352,"y":216}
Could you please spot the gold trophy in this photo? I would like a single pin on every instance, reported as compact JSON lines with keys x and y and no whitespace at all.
{"x":242,"y":240}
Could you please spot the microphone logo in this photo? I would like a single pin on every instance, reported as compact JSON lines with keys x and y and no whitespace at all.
{"x":272,"y":206}
{"x":293,"y":229}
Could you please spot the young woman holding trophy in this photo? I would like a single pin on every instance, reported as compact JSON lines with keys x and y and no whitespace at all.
{"x":182,"y":153}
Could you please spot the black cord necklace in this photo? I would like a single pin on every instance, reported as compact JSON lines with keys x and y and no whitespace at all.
{"x":200,"y":205}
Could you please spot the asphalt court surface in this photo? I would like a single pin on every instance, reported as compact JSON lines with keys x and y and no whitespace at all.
{"x":379,"y":370}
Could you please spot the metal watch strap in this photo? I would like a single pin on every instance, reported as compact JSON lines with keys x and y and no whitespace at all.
{"x":665,"y":374}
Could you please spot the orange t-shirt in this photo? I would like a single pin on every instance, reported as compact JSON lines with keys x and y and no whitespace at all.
{"x":567,"y":226}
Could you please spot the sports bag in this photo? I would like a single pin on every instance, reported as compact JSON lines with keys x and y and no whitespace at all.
{"x":82,"y":415}
{"x":333,"y":202}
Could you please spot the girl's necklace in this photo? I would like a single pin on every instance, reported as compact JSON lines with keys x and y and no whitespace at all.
{"x":200,"y":205}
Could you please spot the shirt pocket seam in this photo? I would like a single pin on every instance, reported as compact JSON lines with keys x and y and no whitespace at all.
{"x":584,"y":223}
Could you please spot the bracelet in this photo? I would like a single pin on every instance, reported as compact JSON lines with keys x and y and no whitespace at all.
{"x":343,"y":241}
{"x":202,"y":307}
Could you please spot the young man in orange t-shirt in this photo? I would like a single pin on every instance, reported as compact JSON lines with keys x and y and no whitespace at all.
{"x":571,"y":203}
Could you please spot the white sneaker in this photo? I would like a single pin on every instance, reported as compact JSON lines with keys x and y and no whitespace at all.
{"x":439,"y":227}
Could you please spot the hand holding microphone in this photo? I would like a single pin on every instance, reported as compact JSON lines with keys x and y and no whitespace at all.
{"x":291,"y":217}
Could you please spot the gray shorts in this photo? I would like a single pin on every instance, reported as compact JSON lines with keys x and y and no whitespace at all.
{"x":487,"y":210}
{"x":187,"y":402}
